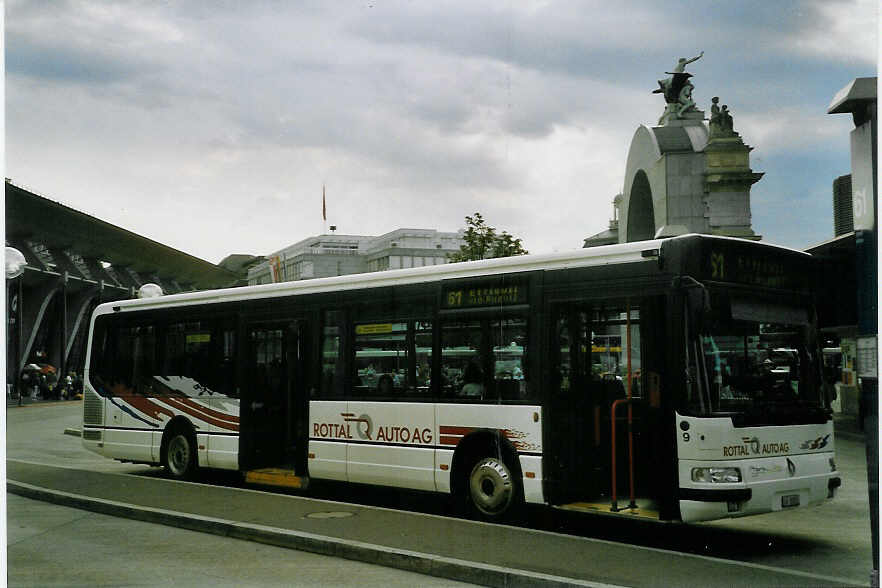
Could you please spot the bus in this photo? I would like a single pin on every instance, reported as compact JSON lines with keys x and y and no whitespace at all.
{"x":675,"y":380}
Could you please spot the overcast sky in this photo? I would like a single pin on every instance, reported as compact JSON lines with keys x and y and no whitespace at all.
{"x":211,"y":126}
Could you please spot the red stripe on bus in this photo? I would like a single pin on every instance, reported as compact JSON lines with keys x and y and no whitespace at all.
{"x":147,"y":407}
{"x":176,"y":403}
{"x":450,"y":440}
{"x":210,"y":411}
{"x":446,"y":430}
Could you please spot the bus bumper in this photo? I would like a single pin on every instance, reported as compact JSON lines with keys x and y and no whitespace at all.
{"x":769,"y":485}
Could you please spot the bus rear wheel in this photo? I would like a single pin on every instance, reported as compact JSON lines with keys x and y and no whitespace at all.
{"x":179,"y":456}
{"x":493,"y":489}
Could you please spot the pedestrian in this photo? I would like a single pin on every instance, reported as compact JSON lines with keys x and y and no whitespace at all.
{"x":78,"y":386}
{"x":44,"y":386}
{"x":54,"y":389}
{"x":25,"y":384}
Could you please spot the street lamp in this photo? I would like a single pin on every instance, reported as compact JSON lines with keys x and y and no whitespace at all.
{"x":15,"y":266}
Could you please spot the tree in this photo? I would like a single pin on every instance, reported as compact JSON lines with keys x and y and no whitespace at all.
{"x":482,"y":242}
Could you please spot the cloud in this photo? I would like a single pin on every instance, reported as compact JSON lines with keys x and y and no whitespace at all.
{"x":844,"y":30}
{"x":232,"y":115}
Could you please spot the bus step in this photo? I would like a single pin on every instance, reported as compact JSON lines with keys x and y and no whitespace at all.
{"x":277,"y":477}
{"x":645,"y":509}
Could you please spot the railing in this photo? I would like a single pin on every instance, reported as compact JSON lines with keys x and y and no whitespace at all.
{"x":629,"y":400}
{"x":615,"y":405}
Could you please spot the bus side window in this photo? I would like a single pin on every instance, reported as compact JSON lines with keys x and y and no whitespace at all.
{"x":509,"y":337}
{"x":422,"y":342}
{"x":134,"y":365}
{"x":381,"y":360}
{"x":462,"y":363}
{"x":101,"y":359}
{"x":331,"y":381}
{"x":564,"y":347}
{"x":188,"y":366}
{"x":226,"y":383}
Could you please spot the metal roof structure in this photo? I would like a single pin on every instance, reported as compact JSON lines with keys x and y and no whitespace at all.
{"x":33,"y":218}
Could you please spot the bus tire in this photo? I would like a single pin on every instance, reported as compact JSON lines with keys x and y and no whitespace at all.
{"x":179,"y":453}
{"x":493,"y":490}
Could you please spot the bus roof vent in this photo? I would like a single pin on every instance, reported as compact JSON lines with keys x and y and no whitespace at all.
{"x":149,"y":290}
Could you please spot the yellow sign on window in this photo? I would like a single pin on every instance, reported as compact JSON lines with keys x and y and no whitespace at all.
{"x":199,"y":338}
{"x":374,"y":329}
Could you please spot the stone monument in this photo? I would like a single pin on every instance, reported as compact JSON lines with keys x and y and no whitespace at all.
{"x":685,"y":176}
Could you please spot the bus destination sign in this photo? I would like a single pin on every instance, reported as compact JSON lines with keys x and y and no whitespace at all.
{"x":770,"y":272}
{"x":484,"y":295}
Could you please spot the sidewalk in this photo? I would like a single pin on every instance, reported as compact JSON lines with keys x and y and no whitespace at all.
{"x":491,"y":555}
{"x":13,"y":401}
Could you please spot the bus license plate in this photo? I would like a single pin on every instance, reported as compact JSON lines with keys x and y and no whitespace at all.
{"x":789,"y":500}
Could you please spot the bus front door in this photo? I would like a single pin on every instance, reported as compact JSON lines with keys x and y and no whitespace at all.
{"x":604,"y":432}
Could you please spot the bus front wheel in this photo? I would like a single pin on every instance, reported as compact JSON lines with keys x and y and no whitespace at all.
{"x":493,"y":489}
{"x":179,"y":456}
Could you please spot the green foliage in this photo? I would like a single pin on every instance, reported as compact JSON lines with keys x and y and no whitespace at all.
{"x":482,"y":242}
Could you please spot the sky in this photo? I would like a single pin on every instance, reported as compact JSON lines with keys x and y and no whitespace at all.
{"x":213,"y":126}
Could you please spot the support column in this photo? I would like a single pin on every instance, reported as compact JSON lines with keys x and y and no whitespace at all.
{"x":38,"y":298}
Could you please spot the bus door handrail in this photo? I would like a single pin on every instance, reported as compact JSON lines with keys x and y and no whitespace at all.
{"x":629,"y":401}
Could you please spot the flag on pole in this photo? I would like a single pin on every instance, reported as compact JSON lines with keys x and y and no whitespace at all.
{"x":324,"y":207}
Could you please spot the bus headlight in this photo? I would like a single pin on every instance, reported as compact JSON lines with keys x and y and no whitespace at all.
{"x":716,"y":475}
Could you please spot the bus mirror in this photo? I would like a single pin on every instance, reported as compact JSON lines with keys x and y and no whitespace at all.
{"x":698,"y":303}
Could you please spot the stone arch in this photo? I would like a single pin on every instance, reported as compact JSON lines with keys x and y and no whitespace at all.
{"x":641,"y":215}
{"x":643,"y":206}
{"x":664,"y":188}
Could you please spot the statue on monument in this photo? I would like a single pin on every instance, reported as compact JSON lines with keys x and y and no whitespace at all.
{"x":683,"y":62}
{"x":677,"y":89}
{"x":721,"y":122}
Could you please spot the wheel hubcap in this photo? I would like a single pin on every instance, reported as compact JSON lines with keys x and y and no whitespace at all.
{"x":491,"y":486}
{"x":178,"y":455}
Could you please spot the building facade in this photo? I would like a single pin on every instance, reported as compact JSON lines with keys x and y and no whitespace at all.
{"x":325,"y":256}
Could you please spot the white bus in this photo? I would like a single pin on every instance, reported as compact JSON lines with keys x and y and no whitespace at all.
{"x":641,"y":380}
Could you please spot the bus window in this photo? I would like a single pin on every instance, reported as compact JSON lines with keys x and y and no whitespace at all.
{"x":134,"y":364}
{"x":509,"y":337}
{"x":609,"y":346}
{"x":462,"y":362}
{"x":485,"y":359}
{"x":752,"y":365}
{"x":422,"y":339}
{"x":226,"y":377}
{"x":381,"y":360}
{"x":332,"y":360}
{"x":564,"y":349}
{"x":187,"y":367}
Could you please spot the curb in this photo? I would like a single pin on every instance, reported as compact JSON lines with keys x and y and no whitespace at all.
{"x":412,"y":561}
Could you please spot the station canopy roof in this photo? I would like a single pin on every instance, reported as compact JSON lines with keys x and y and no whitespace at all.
{"x":35,"y":218}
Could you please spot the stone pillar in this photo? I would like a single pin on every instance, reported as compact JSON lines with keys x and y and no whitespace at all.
{"x":727,"y":180}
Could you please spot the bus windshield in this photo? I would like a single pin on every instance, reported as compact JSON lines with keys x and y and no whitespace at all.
{"x":762,"y":371}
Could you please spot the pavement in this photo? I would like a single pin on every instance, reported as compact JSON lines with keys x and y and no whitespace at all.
{"x":56,"y":546}
{"x":848,"y":426}
{"x":468,"y":551}
{"x":13,"y":401}
{"x":445,"y":547}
